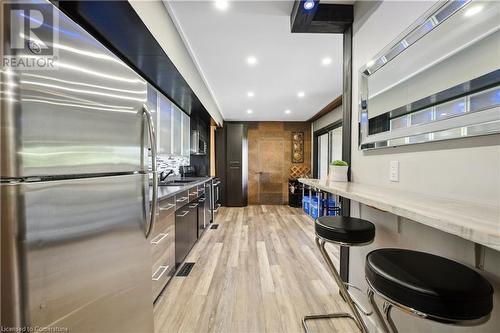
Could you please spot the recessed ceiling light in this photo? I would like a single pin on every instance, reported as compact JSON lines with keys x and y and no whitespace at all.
{"x":249,"y":111}
{"x":288,"y":111}
{"x":326,"y":61}
{"x":473,"y":10}
{"x":301,"y":94}
{"x":221,"y":4}
{"x":250,"y":94}
{"x":251,"y":60}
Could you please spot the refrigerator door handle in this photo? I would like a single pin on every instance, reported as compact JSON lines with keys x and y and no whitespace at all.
{"x":152,"y":140}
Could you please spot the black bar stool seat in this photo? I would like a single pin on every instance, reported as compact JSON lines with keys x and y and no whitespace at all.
{"x":430,"y":286}
{"x":341,"y":229}
{"x":344,"y":231}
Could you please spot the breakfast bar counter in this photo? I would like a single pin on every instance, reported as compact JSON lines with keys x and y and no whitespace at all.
{"x":476,"y":222}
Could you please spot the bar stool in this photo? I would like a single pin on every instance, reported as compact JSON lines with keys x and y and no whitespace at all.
{"x":427,"y":286}
{"x":345,"y":231}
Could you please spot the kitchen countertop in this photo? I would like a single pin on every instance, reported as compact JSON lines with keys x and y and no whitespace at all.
{"x":473,"y":221}
{"x":167,"y":191}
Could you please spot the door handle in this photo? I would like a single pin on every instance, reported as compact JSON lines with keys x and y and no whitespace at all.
{"x":152,"y":139}
{"x":185,"y":212}
{"x":168,"y":207}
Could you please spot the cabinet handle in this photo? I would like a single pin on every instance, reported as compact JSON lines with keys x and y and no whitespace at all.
{"x":158,"y":239}
{"x":193,"y":205}
{"x":202,"y":200}
{"x":182,"y":199}
{"x":185,"y":212}
{"x":168,"y":207}
{"x":162,"y":270}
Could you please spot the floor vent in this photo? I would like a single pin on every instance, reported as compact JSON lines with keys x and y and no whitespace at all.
{"x":214,"y":226}
{"x":185,"y":269}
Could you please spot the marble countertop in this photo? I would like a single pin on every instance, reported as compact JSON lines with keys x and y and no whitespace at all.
{"x":475,"y":222}
{"x":167,"y":191}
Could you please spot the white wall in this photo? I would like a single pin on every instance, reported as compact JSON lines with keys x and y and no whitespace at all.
{"x":465,"y":169}
{"x":158,"y":21}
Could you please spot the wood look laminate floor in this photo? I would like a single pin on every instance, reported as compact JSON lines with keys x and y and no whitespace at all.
{"x":260,"y":271}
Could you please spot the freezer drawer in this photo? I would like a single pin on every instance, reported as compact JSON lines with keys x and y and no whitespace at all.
{"x":163,"y":251}
{"x":80,"y":251}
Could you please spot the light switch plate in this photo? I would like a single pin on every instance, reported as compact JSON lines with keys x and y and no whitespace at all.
{"x":394,"y":171}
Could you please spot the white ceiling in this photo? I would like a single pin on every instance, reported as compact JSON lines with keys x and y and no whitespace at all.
{"x":221,"y":41}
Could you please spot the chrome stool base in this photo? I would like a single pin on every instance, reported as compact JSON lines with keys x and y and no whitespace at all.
{"x":355,"y":316}
{"x":325,"y":316}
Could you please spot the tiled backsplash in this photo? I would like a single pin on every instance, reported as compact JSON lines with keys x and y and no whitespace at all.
{"x":170,"y":162}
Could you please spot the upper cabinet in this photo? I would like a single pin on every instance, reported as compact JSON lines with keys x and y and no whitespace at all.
{"x":165,"y":121}
{"x":176,"y":130}
{"x":171,"y":127}
{"x":186,"y":135}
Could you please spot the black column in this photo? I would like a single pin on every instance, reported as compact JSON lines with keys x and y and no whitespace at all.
{"x":346,"y":136}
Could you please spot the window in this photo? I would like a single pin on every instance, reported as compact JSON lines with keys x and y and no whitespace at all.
{"x":328,"y":148}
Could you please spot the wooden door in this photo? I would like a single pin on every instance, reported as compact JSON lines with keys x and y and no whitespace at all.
{"x":270,"y":171}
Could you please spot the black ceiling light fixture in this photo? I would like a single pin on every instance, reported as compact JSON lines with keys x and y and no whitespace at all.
{"x":311,"y":16}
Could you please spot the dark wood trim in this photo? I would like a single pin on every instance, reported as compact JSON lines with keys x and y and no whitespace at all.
{"x":330,"y":107}
{"x":346,"y":137}
{"x":316,"y":134}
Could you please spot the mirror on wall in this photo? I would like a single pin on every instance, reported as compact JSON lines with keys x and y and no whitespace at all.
{"x":440,"y":79}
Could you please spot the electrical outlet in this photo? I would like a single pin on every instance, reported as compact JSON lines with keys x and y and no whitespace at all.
{"x":394,"y":171}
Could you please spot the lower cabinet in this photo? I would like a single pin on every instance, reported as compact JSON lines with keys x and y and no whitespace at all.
{"x":186,"y":230}
{"x":201,"y":215}
{"x":163,"y":246}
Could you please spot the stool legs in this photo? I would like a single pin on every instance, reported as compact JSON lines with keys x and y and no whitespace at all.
{"x":386,"y":318}
{"x":355,"y":316}
{"x":377,"y":311}
{"x":387,"y":313}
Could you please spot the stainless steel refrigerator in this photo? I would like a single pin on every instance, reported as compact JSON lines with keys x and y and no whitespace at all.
{"x":75,"y":205}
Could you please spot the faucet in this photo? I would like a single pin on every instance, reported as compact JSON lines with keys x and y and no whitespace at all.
{"x":164,"y":175}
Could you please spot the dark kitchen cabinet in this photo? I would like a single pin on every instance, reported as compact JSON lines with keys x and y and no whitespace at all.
{"x":186,"y":230}
{"x":236,"y":165}
{"x":201,"y":214}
